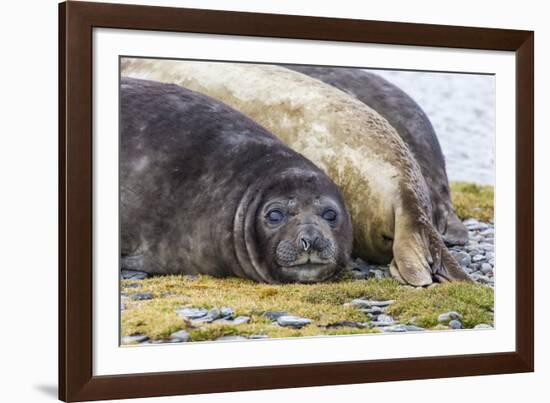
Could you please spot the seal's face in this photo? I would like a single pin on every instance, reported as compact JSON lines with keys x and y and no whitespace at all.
{"x":304,"y":232}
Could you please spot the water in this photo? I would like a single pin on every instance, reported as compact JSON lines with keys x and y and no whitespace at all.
{"x":461,"y":108}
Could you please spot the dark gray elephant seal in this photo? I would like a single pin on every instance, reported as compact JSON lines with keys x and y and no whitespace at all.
{"x":414,"y":127}
{"x":204,"y":189}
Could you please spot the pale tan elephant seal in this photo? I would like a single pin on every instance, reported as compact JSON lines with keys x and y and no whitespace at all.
{"x":360,"y":151}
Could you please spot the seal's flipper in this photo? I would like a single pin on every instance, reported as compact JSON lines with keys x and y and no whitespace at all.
{"x":456,"y":232}
{"x":444,"y":267}
{"x":420,"y":255}
{"x":411,"y":262}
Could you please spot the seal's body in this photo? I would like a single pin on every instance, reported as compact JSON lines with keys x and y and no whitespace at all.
{"x":204,"y":189}
{"x":414,"y":127}
{"x":382,"y":184}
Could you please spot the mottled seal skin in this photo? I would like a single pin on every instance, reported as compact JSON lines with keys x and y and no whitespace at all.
{"x":414,"y":127}
{"x":359,"y":150}
{"x":204,"y":189}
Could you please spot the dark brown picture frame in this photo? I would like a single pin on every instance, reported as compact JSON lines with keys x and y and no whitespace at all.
{"x":76,"y":23}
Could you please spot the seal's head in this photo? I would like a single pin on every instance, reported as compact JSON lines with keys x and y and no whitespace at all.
{"x":302,"y":229}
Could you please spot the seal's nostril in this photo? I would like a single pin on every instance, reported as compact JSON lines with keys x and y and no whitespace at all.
{"x":305,"y":244}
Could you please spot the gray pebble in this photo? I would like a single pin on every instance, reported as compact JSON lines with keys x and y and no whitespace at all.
{"x":226,"y":311}
{"x":258,"y":336}
{"x":448,"y":316}
{"x":365,"y":303}
{"x":383,"y":320}
{"x":455,"y":324}
{"x":487,"y":269}
{"x":142,"y":296}
{"x":490,"y":255}
{"x":293,"y":321}
{"x":192,"y":313}
{"x":274,"y":315}
{"x":375,"y":310}
{"x":346,"y":323}
{"x":239,"y":320}
{"x":463,"y":258}
{"x":138,"y":338}
{"x":231,"y":338}
{"x":402,"y":328}
{"x":483,"y":326}
{"x":478,"y":258}
{"x":132,"y":275}
{"x":180,"y":335}
{"x":487,"y":247}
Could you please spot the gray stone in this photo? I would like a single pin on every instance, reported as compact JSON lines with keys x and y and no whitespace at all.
{"x":448,"y":316}
{"x":490,"y":255}
{"x":293,"y":321}
{"x":487,"y":247}
{"x":274,"y":315}
{"x":346,"y":323}
{"x":487,"y":269}
{"x":375,"y":310}
{"x":479,"y":278}
{"x":230,"y":338}
{"x":470,"y":222}
{"x":401,"y":328}
{"x":488,"y":231}
{"x":131,"y":285}
{"x":463,"y":258}
{"x":143,"y":296}
{"x":377,"y":274}
{"x":360,"y":270}
{"x":492,"y":262}
{"x":383,"y":320}
{"x":211,"y":316}
{"x":138,"y":338}
{"x":483,"y":326}
{"x":239,"y":320}
{"x":226,"y":311}
{"x":132,"y":275}
{"x":180,"y":335}
{"x":258,"y":336}
{"x":365,"y":303}
{"x":455,"y":324}
{"x":478,"y":258}
{"x":192,"y":313}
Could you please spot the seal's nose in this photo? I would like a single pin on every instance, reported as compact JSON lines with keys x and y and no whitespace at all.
{"x":306,"y":243}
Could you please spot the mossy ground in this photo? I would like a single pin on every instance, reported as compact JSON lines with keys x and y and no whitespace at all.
{"x":473,"y":201}
{"x":322,"y":303}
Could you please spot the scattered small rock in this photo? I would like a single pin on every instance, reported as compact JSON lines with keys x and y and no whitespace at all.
{"x":448,"y":316}
{"x":239,"y":320}
{"x":463,"y":258}
{"x":455,"y":324}
{"x":192,"y":313}
{"x":346,"y":323}
{"x":383,"y":320}
{"x":181,"y":335}
{"x":135,"y":339}
{"x":132,"y":275}
{"x":483,"y":326}
{"x":478,"y":258}
{"x":274,"y":315}
{"x":230,"y":338}
{"x":258,"y":336}
{"x":293,"y":321}
{"x":401,"y":328}
{"x":142,"y":296}
{"x":487,"y":269}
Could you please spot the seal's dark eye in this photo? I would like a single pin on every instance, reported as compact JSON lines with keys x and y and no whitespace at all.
{"x":275,"y":216}
{"x":329,"y":215}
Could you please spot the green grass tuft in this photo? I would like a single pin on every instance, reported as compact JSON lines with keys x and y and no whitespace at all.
{"x":473,"y":201}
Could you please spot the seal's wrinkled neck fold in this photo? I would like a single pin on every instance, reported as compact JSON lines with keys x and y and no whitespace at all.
{"x":249,"y":265}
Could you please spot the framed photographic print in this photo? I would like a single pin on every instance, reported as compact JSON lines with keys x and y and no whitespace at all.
{"x":253,"y":201}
